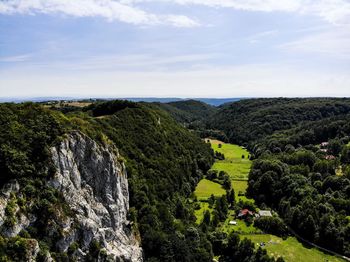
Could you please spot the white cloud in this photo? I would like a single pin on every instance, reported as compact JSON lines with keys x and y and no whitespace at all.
{"x":109,"y":9}
{"x":132,"y":63}
{"x":14,"y":59}
{"x":333,"y":11}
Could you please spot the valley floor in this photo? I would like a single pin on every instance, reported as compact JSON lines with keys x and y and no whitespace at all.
{"x":237,"y":165}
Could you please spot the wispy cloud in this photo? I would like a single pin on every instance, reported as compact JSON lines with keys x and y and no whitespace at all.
{"x":132,"y":63}
{"x":109,"y":9}
{"x":257,"y":37}
{"x":334,"y":43}
{"x":14,"y":59}
{"x":128,"y":11}
{"x":333,"y":11}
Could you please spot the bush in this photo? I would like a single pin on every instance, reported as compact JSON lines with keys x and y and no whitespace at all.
{"x":272,"y":225}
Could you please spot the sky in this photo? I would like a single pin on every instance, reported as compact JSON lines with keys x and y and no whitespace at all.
{"x":174,"y":48}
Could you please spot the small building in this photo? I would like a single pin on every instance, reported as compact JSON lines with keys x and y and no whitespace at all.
{"x":244,"y":213}
{"x":330,"y":157}
{"x":324,"y":144}
{"x":265,"y":213}
{"x":233,"y":223}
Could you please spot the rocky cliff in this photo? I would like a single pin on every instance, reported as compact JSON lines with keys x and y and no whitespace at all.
{"x":94,"y":184}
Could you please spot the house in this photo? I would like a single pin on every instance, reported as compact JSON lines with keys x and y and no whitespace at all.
{"x":324,"y":144}
{"x":324,"y":150}
{"x":330,"y":157}
{"x":233,"y":223}
{"x":265,"y":213}
{"x":244,"y":213}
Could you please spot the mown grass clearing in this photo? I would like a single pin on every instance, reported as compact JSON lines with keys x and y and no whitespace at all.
{"x":238,"y":171}
{"x":231,"y":151}
{"x":290,"y":249}
{"x":236,"y":166}
{"x":240,"y":188}
{"x":206,"y":188}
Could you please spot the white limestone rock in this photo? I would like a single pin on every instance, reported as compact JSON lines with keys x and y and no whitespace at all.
{"x":94,"y":185}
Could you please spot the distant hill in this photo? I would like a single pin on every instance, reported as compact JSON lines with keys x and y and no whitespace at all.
{"x":188,"y":111}
{"x":218,"y":101}
{"x":210,"y":101}
{"x":252,"y":119}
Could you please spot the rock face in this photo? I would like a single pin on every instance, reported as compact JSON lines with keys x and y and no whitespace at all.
{"x":94,"y":185}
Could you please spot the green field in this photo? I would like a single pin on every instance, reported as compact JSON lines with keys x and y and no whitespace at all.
{"x":236,"y":166}
{"x":206,"y":188}
{"x":240,"y":186}
{"x":229,"y":150}
{"x":290,"y":249}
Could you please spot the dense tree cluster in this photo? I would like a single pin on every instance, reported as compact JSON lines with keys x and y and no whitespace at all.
{"x":272,"y":225}
{"x":109,"y":108}
{"x":308,"y":195}
{"x":25,"y":132}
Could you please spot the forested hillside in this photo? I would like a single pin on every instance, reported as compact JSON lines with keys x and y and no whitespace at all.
{"x":164,"y":163}
{"x":189,"y":112}
{"x":302,"y":167}
{"x":252,"y":119}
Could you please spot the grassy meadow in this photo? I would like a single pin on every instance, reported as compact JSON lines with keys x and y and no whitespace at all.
{"x":237,"y":167}
{"x":290,"y":249}
{"x":206,"y":188}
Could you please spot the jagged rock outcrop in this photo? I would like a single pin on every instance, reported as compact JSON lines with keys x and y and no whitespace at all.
{"x":5,"y":195}
{"x":94,"y":185}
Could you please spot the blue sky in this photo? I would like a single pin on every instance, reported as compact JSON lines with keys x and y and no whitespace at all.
{"x":178,"y":48}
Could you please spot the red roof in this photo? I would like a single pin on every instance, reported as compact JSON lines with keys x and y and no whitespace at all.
{"x":245,"y":212}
